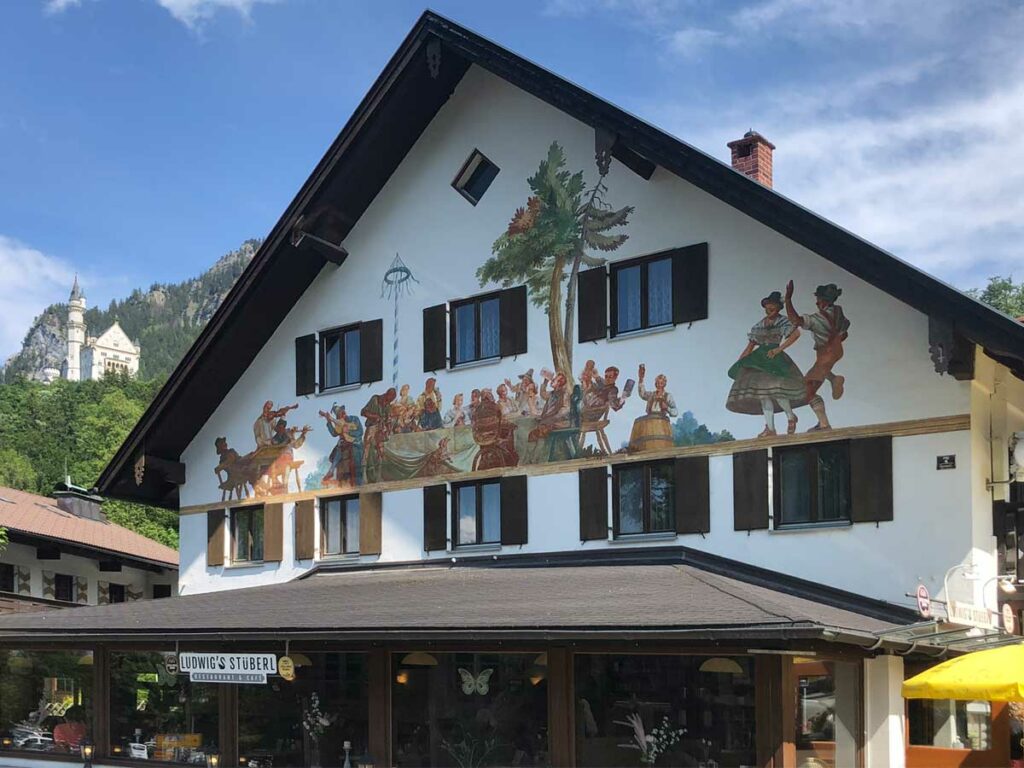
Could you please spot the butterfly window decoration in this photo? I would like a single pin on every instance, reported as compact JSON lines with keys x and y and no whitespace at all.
{"x":476,"y":684}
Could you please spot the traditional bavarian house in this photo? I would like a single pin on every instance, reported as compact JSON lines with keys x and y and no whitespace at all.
{"x":535,"y":436}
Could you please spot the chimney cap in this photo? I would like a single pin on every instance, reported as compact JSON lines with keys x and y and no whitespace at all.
{"x":751,"y":137}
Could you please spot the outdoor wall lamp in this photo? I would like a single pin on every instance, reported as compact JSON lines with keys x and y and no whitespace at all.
{"x":86,"y":749}
{"x":969,"y":573}
{"x":213,"y":760}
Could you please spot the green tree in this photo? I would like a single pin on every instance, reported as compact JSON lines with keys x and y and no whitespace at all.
{"x":561,"y":225}
{"x":1003,"y":294}
{"x":16,"y":471}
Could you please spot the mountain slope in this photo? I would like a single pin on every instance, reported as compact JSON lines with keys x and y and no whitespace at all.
{"x":164,"y":320}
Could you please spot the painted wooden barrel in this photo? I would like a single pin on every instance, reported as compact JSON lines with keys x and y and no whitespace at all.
{"x":650,"y":433}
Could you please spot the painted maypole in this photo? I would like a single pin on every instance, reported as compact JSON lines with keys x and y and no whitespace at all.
{"x":398,"y":282}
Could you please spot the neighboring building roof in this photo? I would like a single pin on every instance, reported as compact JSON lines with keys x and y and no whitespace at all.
{"x":625,"y":601}
{"x":39,"y":516}
{"x":414,"y":85}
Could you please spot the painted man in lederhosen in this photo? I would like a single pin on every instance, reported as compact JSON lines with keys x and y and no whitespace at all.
{"x":829,"y":327}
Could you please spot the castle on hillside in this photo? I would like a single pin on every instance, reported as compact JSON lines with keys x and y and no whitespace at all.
{"x":91,"y":357}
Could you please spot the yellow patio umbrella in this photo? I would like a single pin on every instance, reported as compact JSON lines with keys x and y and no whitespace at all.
{"x":993,"y":675}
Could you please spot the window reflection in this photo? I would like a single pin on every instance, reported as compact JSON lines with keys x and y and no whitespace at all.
{"x":462,"y":709}
{"x":158,"y":716}
{"x":270,"y":730}
{"x":45,"y":700}
{"x":704,"y":706}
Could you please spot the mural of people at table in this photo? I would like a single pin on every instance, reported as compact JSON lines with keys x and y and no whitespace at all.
{"x":830,"y":328}
{"x":568,"y":223}
{"x":600,"y":395}
{"x":428,"y":405}
{"x":765,"y":378}
{"x":376,"y":421}
{"x":404,"y":412}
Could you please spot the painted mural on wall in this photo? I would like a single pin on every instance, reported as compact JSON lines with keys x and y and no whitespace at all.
{"x":270,"y":469}
{"x":766,"y":381}
{"x":553,"y":414}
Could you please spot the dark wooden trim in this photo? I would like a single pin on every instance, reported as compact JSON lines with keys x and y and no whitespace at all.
{"x":786,"y":753}
{"x":561,"y":707}
{"x":370,"y":523}
{"x":435,"y":338}
{"x":227,"y":700}
{"x":379,"y":687}
{"x":767,"y":706}
{"x":305,"y":528}
{"x":101,"y":700}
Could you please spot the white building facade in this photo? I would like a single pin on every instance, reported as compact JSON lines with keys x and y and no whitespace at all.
{"x":528,"y":421}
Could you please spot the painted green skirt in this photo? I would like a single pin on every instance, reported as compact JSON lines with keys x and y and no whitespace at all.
{"x":757,"y":377}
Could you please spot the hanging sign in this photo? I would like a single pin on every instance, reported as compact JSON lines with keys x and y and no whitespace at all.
{"x":286,"y":668}
{"x":970,"y":615}
{"x":246,"y":668}
{"x":1009,"y":620}
{"x":924,"y":601}
{"x":171,"y":664}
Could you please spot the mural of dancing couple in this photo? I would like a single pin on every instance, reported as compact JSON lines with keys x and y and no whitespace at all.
{"x":765,"y":378}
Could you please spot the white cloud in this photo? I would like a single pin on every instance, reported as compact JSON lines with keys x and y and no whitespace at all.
{"x":32,"y":280}
{"x":58,"y":6}
{"x":191,"y":13}
{"x":692,"y":41}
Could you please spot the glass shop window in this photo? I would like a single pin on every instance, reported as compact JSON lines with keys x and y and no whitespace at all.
{"x":644,"y":498}
{"x":462,"y":709}
{"x":664,"y":710}
{"x":155,"y":715}
{"x":950,"y":724}
{"x":339,"y":526}
{"x":477,"y":513}
{"x":812,"y":484}
{"x":642,"y":294}
{"x":476,"y":329}
{"x":306,"y":722}
{"x":247,"y":534}
{"x":827,"y":706}
{"x":45,"y":700}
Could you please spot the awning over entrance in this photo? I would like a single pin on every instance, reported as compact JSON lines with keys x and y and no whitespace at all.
{"x":993,"y":675}
{"x":678,"y":601}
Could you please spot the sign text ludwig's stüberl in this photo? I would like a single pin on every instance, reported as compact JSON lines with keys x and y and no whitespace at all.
{"x":228,"y":667}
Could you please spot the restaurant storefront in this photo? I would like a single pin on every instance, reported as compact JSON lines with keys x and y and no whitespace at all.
{"x":343,"y":669}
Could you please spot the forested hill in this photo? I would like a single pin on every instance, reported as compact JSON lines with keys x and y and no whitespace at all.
{"x":74,"y":427}
{"x":164,"y":320}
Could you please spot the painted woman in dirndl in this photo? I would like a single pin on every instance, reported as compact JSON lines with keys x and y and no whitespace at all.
{"x":765,"y":379}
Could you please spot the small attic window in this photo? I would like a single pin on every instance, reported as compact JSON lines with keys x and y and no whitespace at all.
{"x":475,"y":177}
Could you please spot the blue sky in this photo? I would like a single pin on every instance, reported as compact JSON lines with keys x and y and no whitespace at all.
{"x":142,"y":139}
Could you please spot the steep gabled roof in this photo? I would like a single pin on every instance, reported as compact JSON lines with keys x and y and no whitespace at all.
{"x":414,"y":85}
{"x":39,"y":518}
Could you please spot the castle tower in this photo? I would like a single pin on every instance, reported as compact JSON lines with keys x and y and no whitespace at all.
{"x":76,"y":332}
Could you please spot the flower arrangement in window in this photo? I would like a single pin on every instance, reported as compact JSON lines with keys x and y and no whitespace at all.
{"x":651,"y":745}
{"x":315,"y":723}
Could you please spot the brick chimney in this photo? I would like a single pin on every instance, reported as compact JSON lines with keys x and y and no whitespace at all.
{"x":752,"y":155}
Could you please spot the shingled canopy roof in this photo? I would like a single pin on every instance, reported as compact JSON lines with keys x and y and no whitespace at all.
{"x":414,"y":85}
{"x":612,"y":600}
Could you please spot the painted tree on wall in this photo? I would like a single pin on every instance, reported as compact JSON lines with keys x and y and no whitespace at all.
{"x":560,"y":228}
